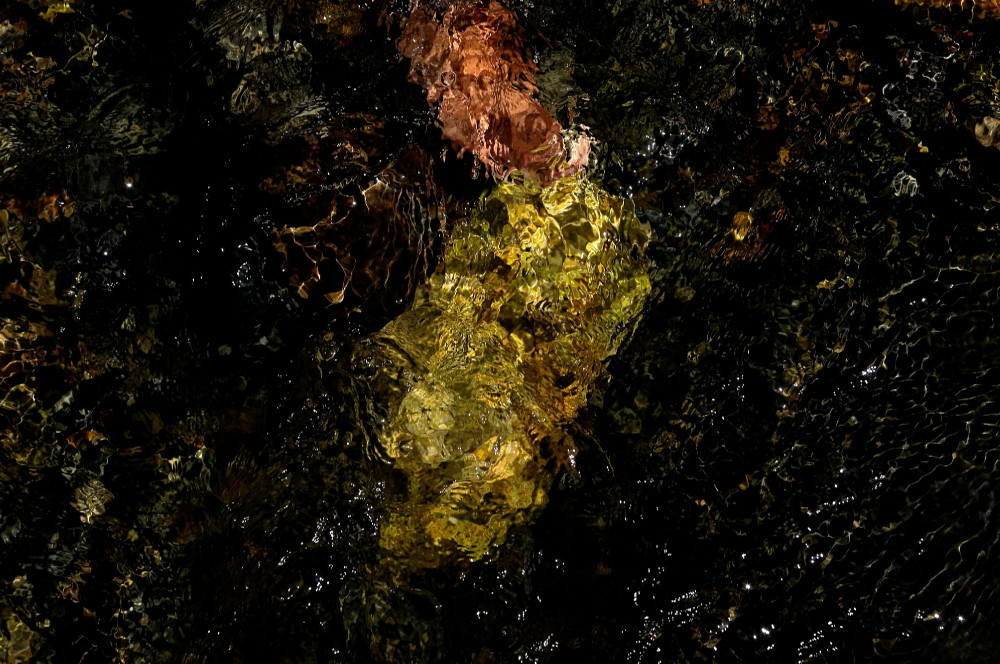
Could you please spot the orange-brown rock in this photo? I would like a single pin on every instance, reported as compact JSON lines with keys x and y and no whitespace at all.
{"x":472,"y":65}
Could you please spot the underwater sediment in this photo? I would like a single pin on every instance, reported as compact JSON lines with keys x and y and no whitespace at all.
{"x":978,"y":8}
{"x":363,"y":230}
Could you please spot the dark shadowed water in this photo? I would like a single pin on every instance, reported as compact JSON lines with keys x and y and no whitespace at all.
{"x":793,"y":458}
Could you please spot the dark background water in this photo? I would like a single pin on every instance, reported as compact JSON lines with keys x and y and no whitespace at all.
{"x":793,"y":459}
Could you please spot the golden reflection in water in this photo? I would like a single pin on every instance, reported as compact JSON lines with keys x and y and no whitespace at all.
{"x":978,"y":7}
{"x":480,"y":378}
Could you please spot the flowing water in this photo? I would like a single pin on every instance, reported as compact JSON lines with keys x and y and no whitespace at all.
{"x":278,"y":384}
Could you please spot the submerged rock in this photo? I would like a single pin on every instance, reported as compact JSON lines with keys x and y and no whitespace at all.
{"x":480,"y":378}
{"x":472,"y":66}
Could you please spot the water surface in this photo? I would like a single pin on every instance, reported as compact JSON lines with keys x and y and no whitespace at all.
{"x":792,"y":458}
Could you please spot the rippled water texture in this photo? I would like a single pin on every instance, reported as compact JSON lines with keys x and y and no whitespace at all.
{"x":287,"y":377}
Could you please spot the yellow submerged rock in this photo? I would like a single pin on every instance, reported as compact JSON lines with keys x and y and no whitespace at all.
{"x":480,"y":378}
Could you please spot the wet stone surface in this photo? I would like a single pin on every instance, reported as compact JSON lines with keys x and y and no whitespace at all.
{"x":209,"y":209}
